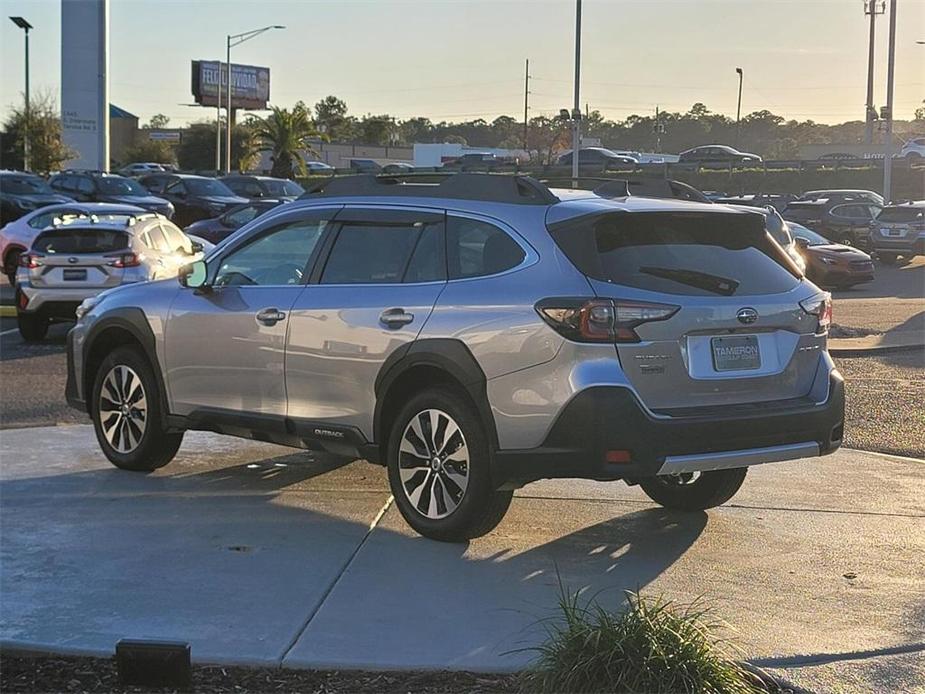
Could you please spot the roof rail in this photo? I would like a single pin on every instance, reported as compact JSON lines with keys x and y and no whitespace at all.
{"x":513,"y":189}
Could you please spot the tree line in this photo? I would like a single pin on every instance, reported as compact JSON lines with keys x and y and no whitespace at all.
{"x":287,"y":132}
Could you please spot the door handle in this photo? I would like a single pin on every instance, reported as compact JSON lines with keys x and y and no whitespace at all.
{"x":395,"y":317}
{"x":270,"y":316}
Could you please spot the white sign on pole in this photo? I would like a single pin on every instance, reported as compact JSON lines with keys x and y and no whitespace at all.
{"x":85,"y":82}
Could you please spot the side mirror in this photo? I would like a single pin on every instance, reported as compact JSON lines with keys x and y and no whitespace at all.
{"x":196,"y":248}
{"x":801,"y":242}
{"x":193,"y":275}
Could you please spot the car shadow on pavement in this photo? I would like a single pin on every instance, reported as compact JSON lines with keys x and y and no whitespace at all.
{"x":241,"y":561}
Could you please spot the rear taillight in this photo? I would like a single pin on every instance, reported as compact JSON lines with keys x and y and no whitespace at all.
{"x":820,"y":306}
{"x":125,"y":260}
{"x":31,"y":260}
{"x":601,"y":320}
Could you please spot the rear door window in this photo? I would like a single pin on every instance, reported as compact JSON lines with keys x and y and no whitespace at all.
{"x":700,"y":254}
{"x":371,"y":253}
{"x":476,"y":248}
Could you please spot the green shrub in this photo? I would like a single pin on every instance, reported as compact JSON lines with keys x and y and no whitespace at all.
{"x":652,"y":646}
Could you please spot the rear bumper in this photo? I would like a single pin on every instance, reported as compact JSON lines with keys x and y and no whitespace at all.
{"x":611,"y":418}
{"x":55,"y":303}
{"x":912,"y":244}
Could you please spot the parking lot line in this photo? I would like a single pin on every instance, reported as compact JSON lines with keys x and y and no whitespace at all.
{"x":7,"y":332}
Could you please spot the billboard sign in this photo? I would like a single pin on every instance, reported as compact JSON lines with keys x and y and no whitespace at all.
{"x":250,"y":85}
{"x":85,"y":82}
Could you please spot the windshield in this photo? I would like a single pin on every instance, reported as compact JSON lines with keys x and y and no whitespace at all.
{"x":24,"y":185}
{"x":120,"y":186}
{"x":208,"y":186}
{"x":814,"y":239}
{"x":901,"y":214}
{"x":283,"y":188}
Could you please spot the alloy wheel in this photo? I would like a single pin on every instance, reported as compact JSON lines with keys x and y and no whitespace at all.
{"x":123,"y":409}
{"x":433,"y":463}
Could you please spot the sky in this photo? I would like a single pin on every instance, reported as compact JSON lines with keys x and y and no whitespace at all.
{"x":464,"y":59}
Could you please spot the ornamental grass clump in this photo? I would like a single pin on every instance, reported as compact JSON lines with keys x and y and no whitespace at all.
{"x":652,"y":646}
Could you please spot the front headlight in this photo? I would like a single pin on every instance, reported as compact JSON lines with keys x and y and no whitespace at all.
{"x":86,"y":306}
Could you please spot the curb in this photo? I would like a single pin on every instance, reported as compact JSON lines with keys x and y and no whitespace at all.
{"x":847,"y":351}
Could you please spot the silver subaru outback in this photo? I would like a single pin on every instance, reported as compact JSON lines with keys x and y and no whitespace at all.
{"x":473,"y":336}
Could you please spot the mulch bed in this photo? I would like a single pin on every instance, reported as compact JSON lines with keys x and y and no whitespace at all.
{"x":72,"y":674}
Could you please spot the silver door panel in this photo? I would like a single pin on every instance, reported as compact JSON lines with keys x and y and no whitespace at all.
{"x":219,"y":356}
{"x":338,"y":344}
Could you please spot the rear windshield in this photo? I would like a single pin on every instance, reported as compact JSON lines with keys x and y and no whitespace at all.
{"x":700,"y":254}
{"x":77,"y":241}
{"x":901,"y":214}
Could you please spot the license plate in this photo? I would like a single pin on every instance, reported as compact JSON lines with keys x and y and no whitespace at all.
{"x":894,"y":232}
{"x":73,"y":274}
{"x":736,"y":353}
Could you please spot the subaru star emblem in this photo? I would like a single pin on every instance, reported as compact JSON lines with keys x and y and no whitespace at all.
{"x":72,"y":260}
{"x":747,"y":315}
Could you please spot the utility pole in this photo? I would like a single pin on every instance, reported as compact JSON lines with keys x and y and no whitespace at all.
{"x":888,"y":145}
{"x":871,"y":8}
{"x":576,"y":108}
{"x":526,"y":100}
{"x":658,"y":132}
{"x":218,"y":124}
{"x":739,"y":105}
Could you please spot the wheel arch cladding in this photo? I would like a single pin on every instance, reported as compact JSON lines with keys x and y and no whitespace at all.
{"x":424,"y":363}
{"x":117,"y":328}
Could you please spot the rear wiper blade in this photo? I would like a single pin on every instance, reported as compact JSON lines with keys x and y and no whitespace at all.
{"x":702,"y":280}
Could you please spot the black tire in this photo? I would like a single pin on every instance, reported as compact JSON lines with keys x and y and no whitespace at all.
{"x":480,"y":507}
{"x":887,"y":258}
{"x":688,"y":493}
{"x":33,"y":328}
{"x":156,"y":446}
{"x":10,"y":265}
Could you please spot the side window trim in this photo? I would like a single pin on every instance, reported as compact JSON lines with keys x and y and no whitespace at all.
{"x":531,"y":257}
{"x":366,"y":213}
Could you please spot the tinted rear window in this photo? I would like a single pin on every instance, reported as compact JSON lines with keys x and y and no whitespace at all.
{"x":901,"y":214}
{"x":77,"y":241}
{"x":689,"y":253}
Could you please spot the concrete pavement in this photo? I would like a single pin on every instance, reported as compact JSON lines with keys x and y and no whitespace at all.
{"x":260,"y":554}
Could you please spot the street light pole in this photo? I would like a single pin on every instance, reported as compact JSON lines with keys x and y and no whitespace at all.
{"x":576,"y":107}
{"x":872,"y":8}
{"x":888,"y":145}
{"x":26,"y":144}
{"x":235,"y":40}
{"x":739,"y":104}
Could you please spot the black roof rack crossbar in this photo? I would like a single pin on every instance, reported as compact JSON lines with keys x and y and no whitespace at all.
{"x":505,"y":188}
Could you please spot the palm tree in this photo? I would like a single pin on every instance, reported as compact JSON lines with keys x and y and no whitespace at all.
{"x":285,"y":134}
